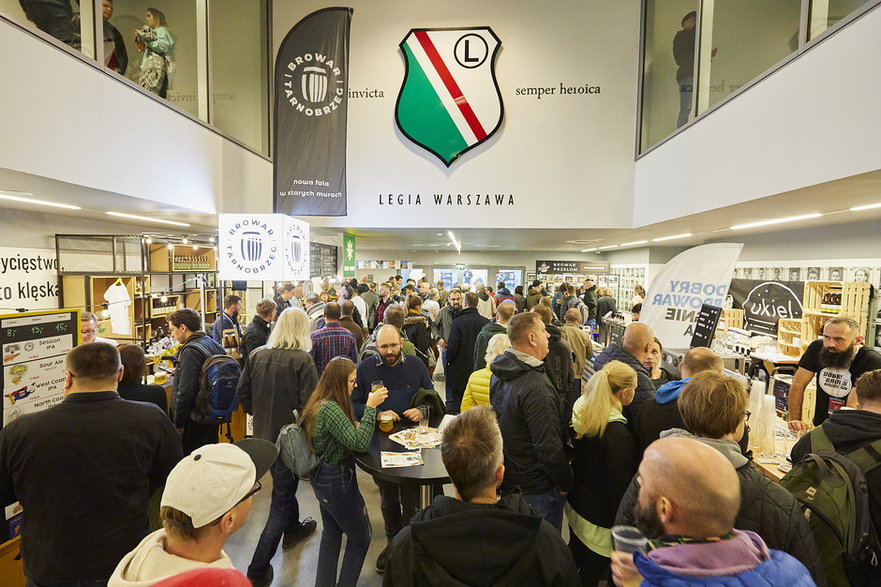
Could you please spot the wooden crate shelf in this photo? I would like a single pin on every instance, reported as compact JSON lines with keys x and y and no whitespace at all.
{"x":732,"y":318}
{"x":789,"y":337}
{"x":854,"y":304}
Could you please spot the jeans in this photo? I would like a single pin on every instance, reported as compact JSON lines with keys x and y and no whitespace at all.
{"x":342,"y":512}
{"x":549,"y":505}
{"x":686,"y":92}
{"x":284,"y":518}
{"x":398,"y":504}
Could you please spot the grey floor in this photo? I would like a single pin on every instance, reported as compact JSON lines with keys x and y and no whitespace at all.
{"x":297,"y":566}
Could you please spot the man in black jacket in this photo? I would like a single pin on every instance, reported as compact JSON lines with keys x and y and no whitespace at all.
{"x":558,"y":362}
{"x":184,"y":326}
{"x":477,"y":538}
{"x":460,"y":350}
{"x":530,"y":413}
{"x":258,"y":331}
{"x":850,"y":430}
{"x":635,"y":348}
{"x":713,"y":406}
{"x":589,"y":297}
{"x":84,"y":471}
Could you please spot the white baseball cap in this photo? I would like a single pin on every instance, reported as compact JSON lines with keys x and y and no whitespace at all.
{"x":214,"y":478}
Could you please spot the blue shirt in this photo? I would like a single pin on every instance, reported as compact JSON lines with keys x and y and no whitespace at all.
{"x":403,"y":381}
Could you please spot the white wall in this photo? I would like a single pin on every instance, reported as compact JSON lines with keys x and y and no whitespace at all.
{"x":815,"y":120}
{"x":571,"y":152}
{"x":69,"y":121}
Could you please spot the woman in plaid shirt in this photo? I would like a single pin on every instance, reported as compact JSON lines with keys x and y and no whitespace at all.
{"x":334,"y":434}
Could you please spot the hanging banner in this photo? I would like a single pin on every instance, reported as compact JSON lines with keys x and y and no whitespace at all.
{"x":249,"y":247}
{"x":296,"y":249}
{"x":348,"y":255}
{"x":311,"y":81}
{"x":765,"y":302}
{"x":700,"y":275}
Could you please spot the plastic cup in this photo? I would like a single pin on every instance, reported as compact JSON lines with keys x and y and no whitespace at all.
{"x":628,"y":539}
{"x":376,"y":385}
{"x":386,"y":422}
{"x":425,"y":411}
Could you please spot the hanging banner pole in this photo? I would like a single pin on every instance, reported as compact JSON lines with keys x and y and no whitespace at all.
{"x":311,"y":111}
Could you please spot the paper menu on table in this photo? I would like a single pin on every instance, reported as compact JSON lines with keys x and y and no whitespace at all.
{"x":414,"y":440}
{"x":392,"y":460}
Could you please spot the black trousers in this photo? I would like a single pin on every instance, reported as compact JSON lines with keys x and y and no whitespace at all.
{"x":56,"y":19}
{"x":592,"y":567}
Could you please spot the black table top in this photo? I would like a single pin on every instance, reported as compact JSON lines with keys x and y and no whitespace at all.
{"x":430,"y":473}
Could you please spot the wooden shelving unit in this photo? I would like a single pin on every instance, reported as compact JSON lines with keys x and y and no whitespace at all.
{"x":159,"y":279}
{"x":789,"y":341}
{"x":829,"y":299}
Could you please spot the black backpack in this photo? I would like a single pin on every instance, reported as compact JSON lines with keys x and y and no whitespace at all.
{"x":834,"y":497}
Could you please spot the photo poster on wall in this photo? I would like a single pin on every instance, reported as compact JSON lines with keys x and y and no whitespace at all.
{"x":765,"y":302}
{"x":34,"y":346}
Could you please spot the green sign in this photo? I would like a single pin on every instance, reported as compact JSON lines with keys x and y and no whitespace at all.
{"x":348,"y":255}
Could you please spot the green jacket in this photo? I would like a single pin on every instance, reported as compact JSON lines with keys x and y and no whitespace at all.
{"x":482,"y":342}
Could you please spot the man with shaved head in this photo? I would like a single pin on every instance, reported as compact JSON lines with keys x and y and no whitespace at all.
{"x":662,"y":411}
{"x":402,"y":375}
{"x":689,"y":497}
{"x":635,"y":348}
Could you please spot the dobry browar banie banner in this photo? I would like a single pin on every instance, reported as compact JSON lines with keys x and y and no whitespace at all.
{"x":311,"y":85}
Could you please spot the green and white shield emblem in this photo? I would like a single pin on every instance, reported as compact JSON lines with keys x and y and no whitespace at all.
{"x":449,"y":101}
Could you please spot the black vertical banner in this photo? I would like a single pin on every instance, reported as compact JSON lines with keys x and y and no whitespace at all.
{"x":311,"y":97}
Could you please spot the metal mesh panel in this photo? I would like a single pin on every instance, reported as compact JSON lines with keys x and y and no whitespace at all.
{"x":99,"y":254}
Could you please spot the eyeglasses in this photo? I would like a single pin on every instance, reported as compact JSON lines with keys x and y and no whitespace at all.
{"x":251,"y":493}
{"x":88,"y":331}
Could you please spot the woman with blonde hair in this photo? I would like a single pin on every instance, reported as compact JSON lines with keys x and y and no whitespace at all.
{"x":477,"y":390}
{"x":605,"y":462}
{"x":278,"y":379}
{"x":333,"y":435}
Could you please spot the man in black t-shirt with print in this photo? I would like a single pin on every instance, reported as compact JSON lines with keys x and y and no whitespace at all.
{"x":836,"y":360}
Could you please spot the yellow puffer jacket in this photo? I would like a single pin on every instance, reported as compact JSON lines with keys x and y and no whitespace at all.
{"x":477,"y":390}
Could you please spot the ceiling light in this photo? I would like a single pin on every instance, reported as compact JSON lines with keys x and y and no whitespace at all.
{"x":210,"y":239}
{"x":40,"y":202}
{"x":776,"y":221}
{"x":606,"y":247}
{"x":668,"y":238}
{"x":148,"y":240}
{"x":170,"y":246}
{"x":588,"y":250}
{"x":185,"y":240}
{"x":146,"y":219}
{"x":195,"y":247}
{"x":866,"y":207}
{"x":633,"y":243}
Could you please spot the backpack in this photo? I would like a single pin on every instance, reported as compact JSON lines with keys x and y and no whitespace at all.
{"x":834,"y":497}
{"x":293,"y":448}
{"x":585,"y":312}
{"x":216,"y":399}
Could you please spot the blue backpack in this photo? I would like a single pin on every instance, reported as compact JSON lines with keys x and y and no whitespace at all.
{"x":216,"y":399}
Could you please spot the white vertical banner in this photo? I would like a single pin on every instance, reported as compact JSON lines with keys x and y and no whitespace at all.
{"x":700,"y":275}
{"x":295,"y":245}
{"x":250,"y":247}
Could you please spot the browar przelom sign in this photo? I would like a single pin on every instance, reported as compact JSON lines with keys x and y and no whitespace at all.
{"x":311,"y":112}
{"x":450,"y":101}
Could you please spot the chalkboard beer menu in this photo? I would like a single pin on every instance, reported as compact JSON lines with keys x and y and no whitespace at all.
{"x":322,"y":260}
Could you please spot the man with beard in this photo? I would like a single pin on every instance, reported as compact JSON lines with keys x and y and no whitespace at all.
{"x":228,"y":319}
{"x":441,"y":327}
{"x":402,"y":376}
{"x":837,"y":360}
{"x":460,"y":350}
{"x":689,"y":496}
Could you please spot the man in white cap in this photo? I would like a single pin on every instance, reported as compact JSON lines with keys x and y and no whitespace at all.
{"x":207,"y":498}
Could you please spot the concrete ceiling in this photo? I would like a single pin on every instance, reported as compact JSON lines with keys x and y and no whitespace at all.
{"x":833,"y":200}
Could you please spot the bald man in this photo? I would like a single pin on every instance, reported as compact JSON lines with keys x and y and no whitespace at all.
{"x":635,"y":348}
{"x":662,"y":411}
{"x":689,"y":497}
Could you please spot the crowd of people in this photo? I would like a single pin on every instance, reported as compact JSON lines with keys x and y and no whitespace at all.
{"x":546,"y":432}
